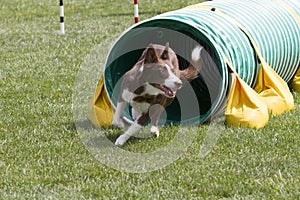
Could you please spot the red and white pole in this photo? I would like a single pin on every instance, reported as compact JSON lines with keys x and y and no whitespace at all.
{"x":136,"y":11}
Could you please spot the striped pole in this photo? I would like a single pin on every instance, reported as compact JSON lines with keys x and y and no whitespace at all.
{"x":61,"y":12}
{"x":136,"y":11}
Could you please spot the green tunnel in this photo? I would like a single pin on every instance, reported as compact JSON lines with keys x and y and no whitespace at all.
{"x":272,"y":24}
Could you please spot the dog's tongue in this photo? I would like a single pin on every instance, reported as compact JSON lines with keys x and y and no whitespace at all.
{"x":166,"y":90}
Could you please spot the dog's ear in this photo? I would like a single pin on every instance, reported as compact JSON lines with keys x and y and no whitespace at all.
{"x":151,"y":56}
{"x":165,"y":54}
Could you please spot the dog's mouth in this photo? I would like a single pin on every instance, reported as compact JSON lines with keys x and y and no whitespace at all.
{"x":168,"y":92}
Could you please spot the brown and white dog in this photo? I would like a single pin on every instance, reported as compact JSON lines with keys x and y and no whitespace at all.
{"x":150,"y":86}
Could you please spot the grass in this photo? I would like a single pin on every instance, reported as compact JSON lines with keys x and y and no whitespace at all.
{"x":42,"y":154}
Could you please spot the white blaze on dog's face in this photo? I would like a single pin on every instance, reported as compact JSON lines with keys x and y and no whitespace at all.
{"x":172,"y":82}
{"x":160,"y":73}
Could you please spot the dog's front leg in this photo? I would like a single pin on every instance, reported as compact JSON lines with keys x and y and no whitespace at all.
{"x":117,"y":121}
{"x":136,"y":126}
{"x":155,"y":113}
{"x":131,"y":130}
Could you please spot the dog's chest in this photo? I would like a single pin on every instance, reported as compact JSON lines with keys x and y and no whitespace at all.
{"x":141,"y":102}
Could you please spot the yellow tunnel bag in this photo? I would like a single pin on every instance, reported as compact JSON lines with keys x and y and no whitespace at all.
{"x":296,"y":81}
{"x":101,"y":111}
{"x":274,"y":91}
{"x":245,"y":107}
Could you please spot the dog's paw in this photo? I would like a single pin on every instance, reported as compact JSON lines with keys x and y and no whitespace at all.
{"x":122,"y":139}
{"x":118,"y":123}
{"x":154,"y":131}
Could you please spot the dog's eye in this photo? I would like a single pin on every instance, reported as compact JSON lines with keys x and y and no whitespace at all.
{"x":163,"y":70}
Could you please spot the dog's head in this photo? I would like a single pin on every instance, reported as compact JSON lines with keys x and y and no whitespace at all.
{"x":159,"y":68}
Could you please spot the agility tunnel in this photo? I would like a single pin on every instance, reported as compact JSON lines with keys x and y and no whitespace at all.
{"x":251,"y":55}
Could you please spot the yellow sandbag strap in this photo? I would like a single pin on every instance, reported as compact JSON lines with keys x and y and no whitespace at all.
{"x":273,"y":90}
{"x":200,"y":6}
{"x":203,"y":7}
{"x":286,"y":6}
{"x":101,"y":112}
{"x":296,"y":81}
{"x":290,"y":10}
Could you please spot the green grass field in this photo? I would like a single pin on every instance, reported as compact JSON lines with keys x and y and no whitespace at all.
{"x":42,"y":156}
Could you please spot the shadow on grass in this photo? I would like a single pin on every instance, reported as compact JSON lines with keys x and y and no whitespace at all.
{"x":94,"y":137}
{"x":111,"y":133}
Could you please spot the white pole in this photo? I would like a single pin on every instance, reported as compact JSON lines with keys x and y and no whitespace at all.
{"x":62,"y":23}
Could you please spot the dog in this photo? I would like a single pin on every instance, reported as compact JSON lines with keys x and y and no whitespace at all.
{"x":150,"y":86}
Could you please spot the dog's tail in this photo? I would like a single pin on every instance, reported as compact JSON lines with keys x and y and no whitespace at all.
{"x":192,"y":72}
